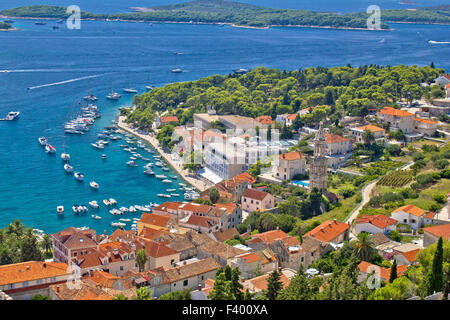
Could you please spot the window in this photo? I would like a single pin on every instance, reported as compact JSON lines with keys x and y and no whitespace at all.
{"x":121,"y":268}
{"x":302,"y":259}
{"x":53,"y":279}
{"x":413,"y":221}
{"x":185,"y":283}
{"x":38,"y":281}
{"x":11,"y":286}
{"x":172,"y":261}
{"x":25,"y":284}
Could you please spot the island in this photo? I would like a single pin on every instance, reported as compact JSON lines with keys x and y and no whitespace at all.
{"x":5,"y":26}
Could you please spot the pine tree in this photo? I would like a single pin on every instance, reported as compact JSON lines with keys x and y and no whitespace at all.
{"x":274,"y":285}
{"x":236,"y":286}
{"x":432,"y":64}
{"x":437,"y":273}
{"x":393,"y":275}
{"x":222,"y":289}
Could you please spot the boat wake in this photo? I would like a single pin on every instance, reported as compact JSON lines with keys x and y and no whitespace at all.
{"x":439,"y":42}
{"x":65,"y":81}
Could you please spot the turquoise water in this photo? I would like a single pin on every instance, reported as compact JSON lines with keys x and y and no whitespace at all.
{"x":34,"y":183}
{"x":301,"y":183}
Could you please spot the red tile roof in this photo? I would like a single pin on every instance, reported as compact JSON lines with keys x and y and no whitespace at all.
{"x":31,"y":270}
{"x":425,"y":121}
{"x":157,"y":250}
{"x":269,"y":236}
{"x":168,"y":119}
{"x":229,"y":206}
{"x":411,"y":256}
{"x":384,"y":273}
{"x":379,"y":220}
{"x":395,"y":112}
{"x":201,"y":221}
{"x":411,"y":209}
{"x":294,"y":155}
{"x":371,"y":128}
{"x":442,"y":230}
{"x":155,"y":219}
{"x":292,"y":116}
{"x":255,"y":194}
{"x":265,"y":120}
{"x":334,"y":138}
{"x":328,"y":230}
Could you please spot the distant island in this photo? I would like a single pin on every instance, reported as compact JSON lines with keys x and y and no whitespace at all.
{"x":240,"y":15}
{"x":5,"y":26}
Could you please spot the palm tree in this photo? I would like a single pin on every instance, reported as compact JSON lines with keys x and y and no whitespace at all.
{"x":46,"y":243}
{"x":143,"y":294}
{"x":364,"y":247}
{"x":141,"y":259}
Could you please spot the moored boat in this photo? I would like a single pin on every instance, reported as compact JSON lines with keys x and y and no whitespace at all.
{"x":60,"y":210}
{"x":79,"y":176}
{"x":94,"y":185}
{"x":68,"y":168}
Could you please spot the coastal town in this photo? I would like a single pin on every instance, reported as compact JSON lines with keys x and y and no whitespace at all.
{"x":296,"y":205}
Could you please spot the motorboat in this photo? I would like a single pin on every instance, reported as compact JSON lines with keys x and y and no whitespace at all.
{"x":117,"y":224}
{"x":103,"y":156}
{"x":165,"y":169}
{"x":132,"y":164}
{"x":173,"y":177}
{"x":113,"y":96}
{"x":167,"y":181}
{"x":159,"y":164}
{"x":123,"y":209}
{"x":161,"y":176}
{"x":68,"y":168}
{"x":65,"y":156}
{"x":112,"y":201}
{"x":149,"y":87}
{"x":176,"y":70}
{"x":130,"y":90}
{"x":93,"y":216}
{"x":90,"y":97}
{"x":133,"y":158}
{"x":175,"y":194}
{"x":94,"y":204}
{"x":149,"y":172}
{"x":97,"y":145}
{"x":42,"y":141}
{"x":106,"y":202}
{"x":79,"y":209}
{"x":60,"y":210}
{"x":94,"y":185}
{"x":163,"y":195}
{"x":240,"y":71}
{"x":115,"y":212}
{"x":145,"y":159}
{"x":13,"y":115}
{"x":171,"y":190}
{"x":132,"y":209}
{"x":125,"y":220}
{"x":50,"y":149}
{"x":79,"y":176}
{"x":182,"y":184}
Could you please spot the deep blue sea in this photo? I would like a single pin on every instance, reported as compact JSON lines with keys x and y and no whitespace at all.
{"x":118,"y":54}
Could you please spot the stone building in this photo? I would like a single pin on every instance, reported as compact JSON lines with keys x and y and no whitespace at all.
{"x":319,"y":163}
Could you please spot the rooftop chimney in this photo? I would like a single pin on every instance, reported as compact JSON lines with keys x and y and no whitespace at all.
{"x":57,"y":289}
{"x":322,"y":228}
{"x":28,"y":267}
{"x":335,"y":221}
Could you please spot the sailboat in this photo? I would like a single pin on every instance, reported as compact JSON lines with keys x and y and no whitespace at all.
{"x":149,"y":87}
{"x":90,"y":97}
{"x":43,"y":140}
{"x":113,"y":95}
{"x":129,"y":89}
{"x":176,"y":70}
{"x":65,"y":156}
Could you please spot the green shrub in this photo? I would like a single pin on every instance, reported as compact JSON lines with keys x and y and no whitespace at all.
{"x":440,"y":198}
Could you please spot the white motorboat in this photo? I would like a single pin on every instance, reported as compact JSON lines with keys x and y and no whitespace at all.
{"x":68,"y":168}
{"x":141,"y":208}
{"x":65,"y":156}
{"x":187,"y":196}
{"x":133,"y":158}
{"x":50,"y":149}
{"x":97,"y":145}
{"x":159,"y":164}
{"x":171,"y":190}
{"x":167,"y":181}
{"x":79,"y":176}
{"x":149,"y":172}
{"x":161,"y":176}
{"x":115,"y":212}
{"x":123,"y":209}
{"x":130,"y":90}
{"x":173,"y":177}
{"x":132,"y":164}
{"x":132,"y":209}
{"x":94,"y":204}
{"x":94,"y":185}
{"x":162,"y":195}
{"x":117,"y":224}
{"x":60,"y":210}
{"x":106,"y":202}
{"x":13,"y":115}
{"x":125,"y":220}
{"x":165,"y":169}
{"x":176,"y":70}
{"x":112,"y":201}
{"x":113,"y":96}
{"x":96,"y":217}
{"x":175,"y":194}
{"x":103,"y":156}
{"x":42,"y":141}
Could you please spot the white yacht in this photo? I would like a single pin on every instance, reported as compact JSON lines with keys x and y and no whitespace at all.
{"x":167,"y":181}
{"x":93,"y":216}
{"x":130,"y":90}
{"x":94,"y":204}
{"x":68,"y":168}
{"x":112,"y":201}
{"x":132,"y":209}
{"x":161,"y":176}
{"x":113,"y":96}
{"x":176,"y":70}
{"x":132,"y":164}
{"x":42,"y":141}
{"x":149,"y":172}
{"x":97,"y":145}
{"x":65,"y":156}
{"x":94,"y":185}
{"x":79,"y":176}
{"x":13,"y":115}
{"x":117,"y":224}
{"x":106,"y":202}
{"x":60,"y":210}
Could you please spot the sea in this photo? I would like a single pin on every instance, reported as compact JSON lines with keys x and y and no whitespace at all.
{"x":62,"y":65}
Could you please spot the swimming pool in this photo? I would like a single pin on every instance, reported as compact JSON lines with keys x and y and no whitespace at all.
{"x":301,"y":183}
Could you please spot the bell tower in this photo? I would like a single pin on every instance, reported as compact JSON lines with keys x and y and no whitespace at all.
{"x":318,"y":165}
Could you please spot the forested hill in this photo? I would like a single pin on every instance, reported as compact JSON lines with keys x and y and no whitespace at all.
{"x":263,"y":91}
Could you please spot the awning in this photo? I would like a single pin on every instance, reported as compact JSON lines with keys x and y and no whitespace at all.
{"x":209,"y":175}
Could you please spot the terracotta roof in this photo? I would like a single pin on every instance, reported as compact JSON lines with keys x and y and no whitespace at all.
{"x":395,"y":112}
{"x":264,"y":120}
{"x":89,"y":290}
{"x":269,"y":236}
{"x":157,"y":250}
{"x":411,"y":209}
{"x":430,"y":215}
{"x":168,"y":119}
{"x":291,"y":116}
{"x":229,"y":206}
{"x":225,"y":234}
{"x":155,"y":219}
{"x":447,"y":85}
{"x":294,"y":155}
{"x":371,"y":128}
{"x":149,"y":232}
{"x":425,"y":121}
{"x":379,"y":220}
{"x":260,"y":283}
{"x":442,"y":230}
{"x":31,"y":270}
{"x":74,"y":238}
{"x":191,"y":269}
{"x":195,"y":207}
{"x":123,"y":235}
{"x":384,"y":273}
{"x":255,"y":194}
{"x":103,"y":278}
{"x":328,"y":230}
{"x":264,"y":256}
{"x":245,"y":176}
{"x":201,"y":221}
{"x":334,"y":138}
{"x":169,"y":205}
{"x":411,"y":256}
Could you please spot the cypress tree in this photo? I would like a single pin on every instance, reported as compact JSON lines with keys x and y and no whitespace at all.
{"x":393,"y":275}
{"x":437,"y":273}
{"x":274,"y":285}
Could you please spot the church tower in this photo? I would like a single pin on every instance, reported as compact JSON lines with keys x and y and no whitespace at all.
{"x":318,"y":165}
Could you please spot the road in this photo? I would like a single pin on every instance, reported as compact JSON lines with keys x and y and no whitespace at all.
{"x":366,"y":192}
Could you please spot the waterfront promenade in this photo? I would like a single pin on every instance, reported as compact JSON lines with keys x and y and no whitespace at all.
{"x":176,"y":165}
